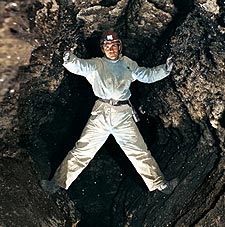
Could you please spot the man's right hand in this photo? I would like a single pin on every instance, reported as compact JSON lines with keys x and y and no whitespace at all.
{"x":67,"y":54}
{"x":66,"y":57}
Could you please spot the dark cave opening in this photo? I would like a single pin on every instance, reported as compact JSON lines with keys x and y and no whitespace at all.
{"x":184,"y":6}
{"x":222,"y":120}
{"x":92,"y":46}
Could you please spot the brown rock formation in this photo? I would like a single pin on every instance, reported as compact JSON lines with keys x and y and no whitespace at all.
{"x":44,"y":109}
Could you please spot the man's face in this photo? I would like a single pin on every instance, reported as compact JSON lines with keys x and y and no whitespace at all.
{"x":111,"y":50}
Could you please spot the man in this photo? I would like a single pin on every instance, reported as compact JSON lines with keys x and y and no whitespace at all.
{"x":110,"y":78}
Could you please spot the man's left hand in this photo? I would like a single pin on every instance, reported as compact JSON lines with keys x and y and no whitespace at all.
{"x":66,"y":57}
{"x":169,"y":64}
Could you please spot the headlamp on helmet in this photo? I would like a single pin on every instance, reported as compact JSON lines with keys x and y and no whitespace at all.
{"x":111,"y":38}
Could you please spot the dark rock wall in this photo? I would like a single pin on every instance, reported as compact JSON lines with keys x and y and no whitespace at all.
{"x":44,"y":109}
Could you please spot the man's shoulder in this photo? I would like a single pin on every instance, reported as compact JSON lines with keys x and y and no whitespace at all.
{"x":129,"y":62}
{"x":125,"y":58}
{"x":94,"y":60}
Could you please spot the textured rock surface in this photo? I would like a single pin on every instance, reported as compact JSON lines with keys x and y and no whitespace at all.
{"x":44,"y":109}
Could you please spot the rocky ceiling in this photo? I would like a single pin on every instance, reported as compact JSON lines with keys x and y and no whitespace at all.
{"x":44,"y":109}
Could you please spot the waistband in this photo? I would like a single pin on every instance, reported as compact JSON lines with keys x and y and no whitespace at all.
{"x":114,"y":102}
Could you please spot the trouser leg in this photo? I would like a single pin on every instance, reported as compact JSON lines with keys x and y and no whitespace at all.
{"x":92,"y":138}
{"x":130,"y":140}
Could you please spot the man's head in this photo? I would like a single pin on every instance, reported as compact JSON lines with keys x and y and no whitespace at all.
{"x":111,"y":45}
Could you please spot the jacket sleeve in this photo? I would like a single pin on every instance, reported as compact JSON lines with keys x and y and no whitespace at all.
{"x":147,"y":75}
{"x":83,"y":67}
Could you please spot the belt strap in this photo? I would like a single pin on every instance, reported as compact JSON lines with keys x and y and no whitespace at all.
{"x":114,"y":102}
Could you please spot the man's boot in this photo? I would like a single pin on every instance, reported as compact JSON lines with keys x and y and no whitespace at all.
{"x":169,"y":186}
{"x":49,"y":186}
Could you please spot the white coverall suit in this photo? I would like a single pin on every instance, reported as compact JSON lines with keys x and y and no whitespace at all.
{"x":111,"y":80}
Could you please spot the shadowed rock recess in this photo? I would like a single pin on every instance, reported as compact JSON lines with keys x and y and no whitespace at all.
{"x":44,"y":109}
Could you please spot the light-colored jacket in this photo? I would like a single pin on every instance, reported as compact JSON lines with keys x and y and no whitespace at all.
{"x":112,"y":79}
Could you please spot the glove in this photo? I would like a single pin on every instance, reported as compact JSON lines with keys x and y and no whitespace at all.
{"x":169,"y":64}
{"x":66,"y":57}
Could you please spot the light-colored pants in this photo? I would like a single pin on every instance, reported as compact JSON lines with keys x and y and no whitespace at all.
{"x":105,"y":120}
